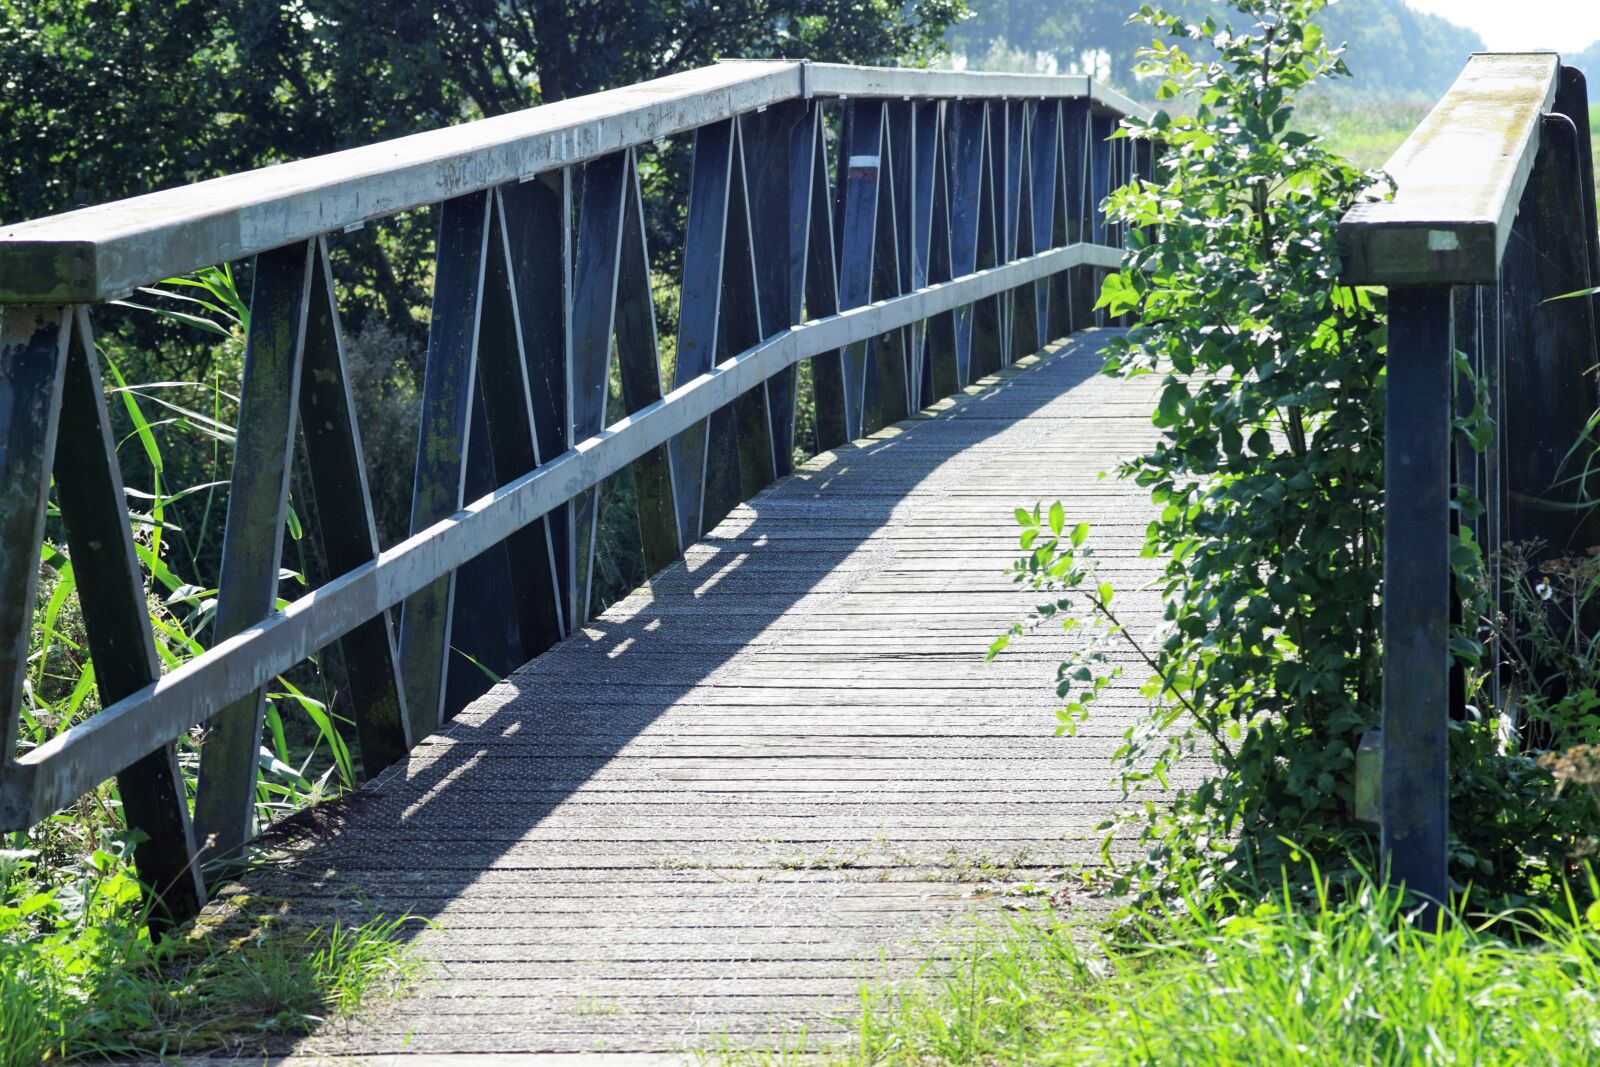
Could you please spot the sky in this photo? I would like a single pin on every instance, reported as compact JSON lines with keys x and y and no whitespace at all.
{"x":1510,"y":25}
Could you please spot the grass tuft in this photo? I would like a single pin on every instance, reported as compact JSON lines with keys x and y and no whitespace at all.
{"x":80,"y":977}
{"x":1223,"y":982}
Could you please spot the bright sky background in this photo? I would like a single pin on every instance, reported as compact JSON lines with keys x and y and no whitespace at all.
{"x":1510,"y":25}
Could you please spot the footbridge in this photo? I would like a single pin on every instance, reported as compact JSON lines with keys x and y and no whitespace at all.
{"x":706,"y":810}
{"x":712,"y":807}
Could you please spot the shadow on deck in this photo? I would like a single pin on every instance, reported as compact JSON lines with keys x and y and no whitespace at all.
{"x":778,"y":769}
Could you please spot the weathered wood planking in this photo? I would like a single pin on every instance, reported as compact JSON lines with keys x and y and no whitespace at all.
{"x":780,"y":770}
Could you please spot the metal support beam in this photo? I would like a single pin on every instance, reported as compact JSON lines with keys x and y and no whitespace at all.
{"x":448,"y":385}
{"x":111,"y":595}
{"x":1417,"y":590}
{"x":252,"y":545}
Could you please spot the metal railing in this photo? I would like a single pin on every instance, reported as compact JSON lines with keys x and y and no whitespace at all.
{"x":907,"y":231}
{"x":1493,"y":215}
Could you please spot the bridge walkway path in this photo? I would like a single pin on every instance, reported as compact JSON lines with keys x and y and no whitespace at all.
{"x":779,"y":770}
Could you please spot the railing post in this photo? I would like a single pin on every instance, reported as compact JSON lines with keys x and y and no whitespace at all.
{"x":536,"y":216}
{"x":252,"y":545}
{"x":1076,"y":291}
{"x":1416,"y":589}
{"x":775,"y":154}
{"x":449,"y":381}
{"x":931,"y":242}
{"x":33,"y":344}
{"x":863,"y":172}
{"x":345,"y":523}
{"x":112,"y":596}
{"x":1044,"y":141}
{"x":822,"y":291}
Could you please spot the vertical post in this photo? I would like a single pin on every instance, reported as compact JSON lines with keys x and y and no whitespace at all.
{"x":345,"y":524}
{"x":448,"y":384}
{"x":862,"y":152}
{"x":33,"y":344}
{"x":739,"y":462}
{"x":111,"y":594}
{"x":965,"y":144}
{"x":1416,"y":590}
{"x":822,"y":295}
{"x":699,"y":306}
{"x":1044,"y":152}
{"x":639,"y":367}
{"x":1077,"y":293}
{"x":773,"y":160}
{"x":535,"y":217}
{"x":596,"y":256}
{"x":252,"y":541}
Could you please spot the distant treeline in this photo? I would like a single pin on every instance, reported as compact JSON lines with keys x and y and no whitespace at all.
{"x":1588,"y":61}
{"x":1394,"y":51}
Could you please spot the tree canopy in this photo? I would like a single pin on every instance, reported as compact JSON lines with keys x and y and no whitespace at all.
{"x":108,"y":98}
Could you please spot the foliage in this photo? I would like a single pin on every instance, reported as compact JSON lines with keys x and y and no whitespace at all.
{"x":175,"y":526}
{"x":1223,"y":980}
{"x":80,"y":977}
{"x":1544,"y":638}
{"x":1267,"y":475}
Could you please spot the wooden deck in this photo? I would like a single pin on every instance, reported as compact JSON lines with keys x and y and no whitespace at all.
{"x":781,"y":769}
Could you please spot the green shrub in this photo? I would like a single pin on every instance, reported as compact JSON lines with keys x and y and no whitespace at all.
{"x":1268,"y":480}
{"x":1268,"y":472}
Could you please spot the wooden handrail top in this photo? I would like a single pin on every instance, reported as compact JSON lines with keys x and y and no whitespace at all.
{"x":1458,"y":179}
{"x":105,"y":252}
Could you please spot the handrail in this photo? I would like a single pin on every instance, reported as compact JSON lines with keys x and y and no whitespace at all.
{"x":104,"y":252}
{"x":1493,"y":217}
{"x":1457,"y":179}
{"x":185,"y":696}
{"x":950,"y":222}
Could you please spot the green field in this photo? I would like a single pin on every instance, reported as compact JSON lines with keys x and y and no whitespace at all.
{"x":1364,"y":130}
{"x":1368,"y":131}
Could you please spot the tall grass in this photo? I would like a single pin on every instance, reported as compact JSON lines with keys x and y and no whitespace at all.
{"x":79,"y":974}
{"x":81,"y":978}
{"x":1222,"y":981}
{"x":305,"y":757}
